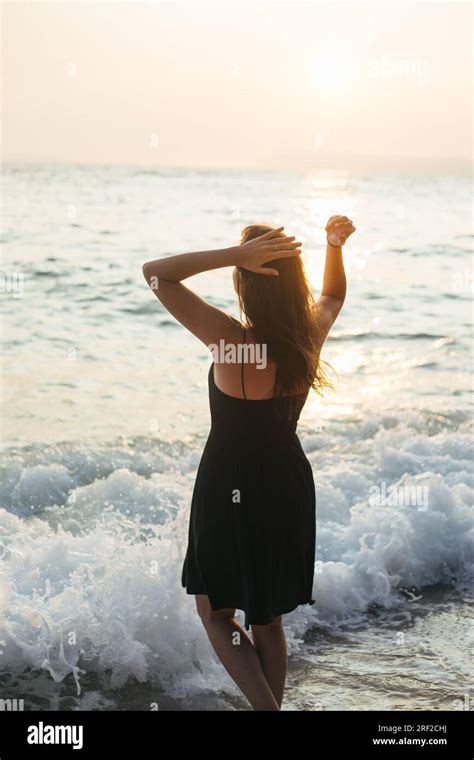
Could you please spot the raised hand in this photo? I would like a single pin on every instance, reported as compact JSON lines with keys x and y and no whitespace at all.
{"x":338,"y":230}
{"x":253,"y":254}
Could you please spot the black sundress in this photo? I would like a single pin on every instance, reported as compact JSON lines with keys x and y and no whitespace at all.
{"x":252,"y":527}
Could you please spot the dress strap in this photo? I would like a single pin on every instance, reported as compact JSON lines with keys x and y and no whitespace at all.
{"x":242,"y":364}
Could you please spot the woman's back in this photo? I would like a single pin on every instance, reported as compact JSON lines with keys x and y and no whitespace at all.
{"x":251,"y":374}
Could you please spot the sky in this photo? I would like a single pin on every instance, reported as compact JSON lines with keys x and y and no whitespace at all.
{"x":375,"y":85}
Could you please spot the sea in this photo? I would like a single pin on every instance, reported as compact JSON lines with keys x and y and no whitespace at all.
{"x":105,"y":415}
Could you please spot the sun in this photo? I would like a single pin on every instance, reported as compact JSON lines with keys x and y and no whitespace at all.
{"x":331,"y":72}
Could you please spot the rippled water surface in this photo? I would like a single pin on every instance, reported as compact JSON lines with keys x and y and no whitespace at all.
{"x":105,"y":416}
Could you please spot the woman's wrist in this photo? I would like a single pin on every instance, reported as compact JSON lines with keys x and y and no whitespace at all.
{"x":232,"y":255}
{"x":331,"y":245}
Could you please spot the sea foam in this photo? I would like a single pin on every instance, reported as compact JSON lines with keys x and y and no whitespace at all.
{"x":92,"y":543}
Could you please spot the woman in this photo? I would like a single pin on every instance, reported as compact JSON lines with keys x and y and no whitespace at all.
{"x":251,"y":542}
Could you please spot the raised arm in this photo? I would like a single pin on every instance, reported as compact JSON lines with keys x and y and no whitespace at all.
{"x":333,"y":291}
{"x":205,"y":321}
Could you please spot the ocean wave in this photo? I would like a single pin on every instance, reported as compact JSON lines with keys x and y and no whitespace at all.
{"x":92,"y":542}
{"x":372,"y":335}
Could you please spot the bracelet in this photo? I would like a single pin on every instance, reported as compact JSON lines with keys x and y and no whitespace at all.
{"x":333,"y":246}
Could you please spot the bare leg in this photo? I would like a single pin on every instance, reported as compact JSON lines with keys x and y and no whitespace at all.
{"x":237,"y":654}
{"x":269,"y":641}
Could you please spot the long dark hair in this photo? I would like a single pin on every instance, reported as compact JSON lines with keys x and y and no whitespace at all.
{"x":283,"y":315}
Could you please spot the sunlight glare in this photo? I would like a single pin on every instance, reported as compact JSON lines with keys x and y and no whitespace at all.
{"x":332,"y":72}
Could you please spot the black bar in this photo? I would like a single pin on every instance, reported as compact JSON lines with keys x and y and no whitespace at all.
{"x":318,"y":734}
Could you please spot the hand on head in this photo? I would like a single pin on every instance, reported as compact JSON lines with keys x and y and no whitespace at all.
{"x":253,"y":254}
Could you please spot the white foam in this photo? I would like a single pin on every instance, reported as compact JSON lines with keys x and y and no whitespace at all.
{"x":91,"y":575}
